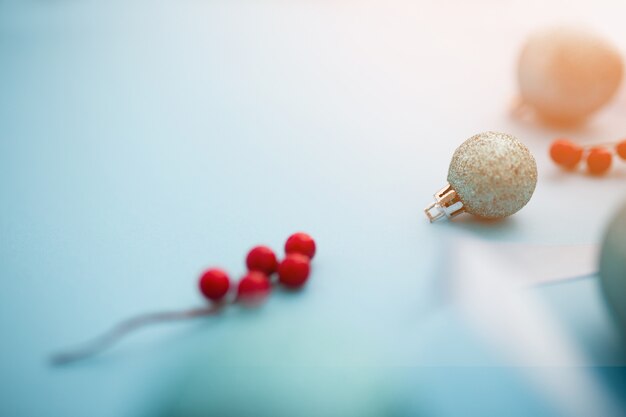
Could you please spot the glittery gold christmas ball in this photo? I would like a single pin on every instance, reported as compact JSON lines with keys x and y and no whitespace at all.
{"x":565,"y":74}
{"x":613,"y":266}
{"x":494,"y":174}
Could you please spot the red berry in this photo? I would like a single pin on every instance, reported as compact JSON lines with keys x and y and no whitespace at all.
{"x":262,"y":259}
{"x":294,"y":270}
{"x":300,"y":243}
{"x":565,"y":153}
{"x":620,"y":148}
{"x":253,"y":288}
{"x":599,"y":161}
{"x":214,"y":284}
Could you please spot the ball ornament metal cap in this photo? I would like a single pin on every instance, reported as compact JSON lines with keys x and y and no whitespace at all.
{"x":492,"y":175}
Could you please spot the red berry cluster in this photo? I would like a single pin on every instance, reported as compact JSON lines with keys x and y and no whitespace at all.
{"x":254,"y":287}
{"x":598,"y":158}
{"x":214,"y":283}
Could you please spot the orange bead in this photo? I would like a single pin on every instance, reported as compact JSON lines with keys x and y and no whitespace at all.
{"x":565,"y":153}
{"x":621,"y":149}
{"x":599,"y":161}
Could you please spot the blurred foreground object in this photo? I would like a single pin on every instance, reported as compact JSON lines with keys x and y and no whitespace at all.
{"x":487,"y":282}
{"x":565,"y":74}
{"x":491,"y":175}
{"x":613,"y":266}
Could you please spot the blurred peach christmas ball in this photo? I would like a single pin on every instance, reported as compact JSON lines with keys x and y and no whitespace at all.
{"x":565,"y":74}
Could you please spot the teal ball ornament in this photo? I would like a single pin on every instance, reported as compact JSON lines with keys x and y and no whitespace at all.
{"x":613,"y":267}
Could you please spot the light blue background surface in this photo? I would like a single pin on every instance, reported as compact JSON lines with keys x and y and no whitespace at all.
{"x":142,"y":142}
